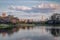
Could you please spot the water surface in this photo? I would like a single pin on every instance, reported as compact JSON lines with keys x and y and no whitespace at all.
{"x":31,"y":33}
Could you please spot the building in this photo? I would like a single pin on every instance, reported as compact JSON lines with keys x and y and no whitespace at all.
{"x":8,"y":19}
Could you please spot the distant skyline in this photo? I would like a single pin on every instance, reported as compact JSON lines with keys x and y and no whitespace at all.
{"x":30,"y":9}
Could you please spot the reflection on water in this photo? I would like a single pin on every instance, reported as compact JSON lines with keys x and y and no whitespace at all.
{"x":29,"y":33}
{"x":55,"y":31}
{"x":10,"y":31}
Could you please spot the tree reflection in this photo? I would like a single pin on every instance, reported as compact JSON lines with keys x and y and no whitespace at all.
{"x":55,"y":31}
{"x":10,"y":31}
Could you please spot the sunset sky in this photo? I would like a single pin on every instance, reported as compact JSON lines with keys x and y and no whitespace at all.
{"x":30,"y":9}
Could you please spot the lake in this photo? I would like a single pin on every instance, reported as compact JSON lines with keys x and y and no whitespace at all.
{"x":30,"y":33}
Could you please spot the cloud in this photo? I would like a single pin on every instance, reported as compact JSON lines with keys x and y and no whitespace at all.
{"x":41,"y":8}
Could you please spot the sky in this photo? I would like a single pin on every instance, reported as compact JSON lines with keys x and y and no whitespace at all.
{"x":30,"y":9}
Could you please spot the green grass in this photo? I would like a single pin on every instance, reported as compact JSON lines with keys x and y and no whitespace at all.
{"x":11,"y":25}
{"x":5,"y":25}
{"x":27,"y":24}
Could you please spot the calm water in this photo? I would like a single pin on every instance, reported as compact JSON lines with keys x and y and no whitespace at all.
{"x":31,"y":33}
